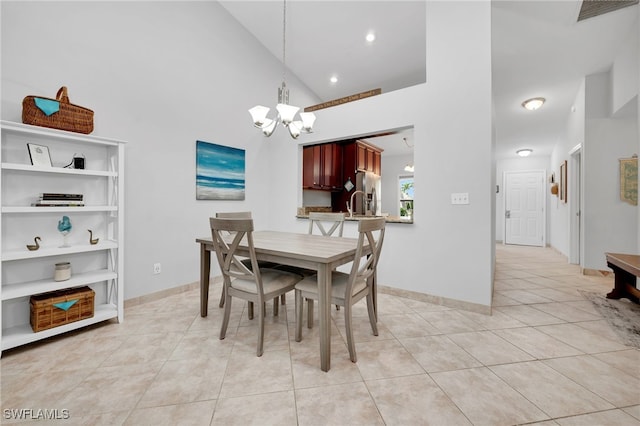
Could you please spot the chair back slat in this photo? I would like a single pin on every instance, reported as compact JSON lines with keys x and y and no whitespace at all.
{"x":364,"y":266}
{"x":320,"y":220}
{"x":228,"y":259}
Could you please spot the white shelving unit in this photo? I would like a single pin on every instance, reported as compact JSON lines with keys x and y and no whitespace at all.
{"x":100,"y":266}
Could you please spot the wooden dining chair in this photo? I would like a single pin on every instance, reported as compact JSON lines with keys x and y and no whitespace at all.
{"x":255,"y":284}
{"x":329,"y":225}
{"x":247,"y":262}
{"x":321,"y":219}
{"x":347,"y":289}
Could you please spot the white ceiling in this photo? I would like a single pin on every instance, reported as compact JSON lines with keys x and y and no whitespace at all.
{"x":538,"y":49}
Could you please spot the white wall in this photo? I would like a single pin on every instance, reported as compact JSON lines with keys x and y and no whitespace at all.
{"x":159,"y":75}
{"x":448,"y":251}
{"x":625,"y":72}
{"x":610,"y":225}
{"x":162,"y":75}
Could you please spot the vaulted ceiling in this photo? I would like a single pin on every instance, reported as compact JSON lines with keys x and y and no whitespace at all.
{"x":538,"y":49}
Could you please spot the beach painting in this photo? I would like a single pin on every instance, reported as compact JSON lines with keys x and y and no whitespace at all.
{"x":219,"y":172}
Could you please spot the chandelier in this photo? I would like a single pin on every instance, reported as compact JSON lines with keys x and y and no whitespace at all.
{"x":286,"y":113}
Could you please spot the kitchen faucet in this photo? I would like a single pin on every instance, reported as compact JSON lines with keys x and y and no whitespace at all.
{"x":351,"y":206}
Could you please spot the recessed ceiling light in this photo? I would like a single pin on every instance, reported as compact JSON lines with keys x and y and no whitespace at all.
{"x":370,"y":37}
{"x":533,"y":103}
{"x":524,"y":152}
{"x":333,"y":79}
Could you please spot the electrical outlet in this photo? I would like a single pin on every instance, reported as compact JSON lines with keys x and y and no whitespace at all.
{"x":460,"y":198}
{"x":156,"y":268}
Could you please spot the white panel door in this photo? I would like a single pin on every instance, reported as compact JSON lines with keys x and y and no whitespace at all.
{"x":524,"y":208}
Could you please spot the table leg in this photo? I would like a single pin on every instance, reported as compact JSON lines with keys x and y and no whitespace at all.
{"x":205,"y":270}
{"x":624,"y":284}
{"x":324,"y":314}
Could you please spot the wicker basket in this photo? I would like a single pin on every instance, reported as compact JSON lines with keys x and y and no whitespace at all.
{"x":61,"y":307}
{"x":69,"y":117}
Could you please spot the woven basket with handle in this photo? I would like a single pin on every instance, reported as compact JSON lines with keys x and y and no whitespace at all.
{"x":69,"y":117}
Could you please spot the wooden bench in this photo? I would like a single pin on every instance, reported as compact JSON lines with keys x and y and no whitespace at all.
{"x":626,"y":268}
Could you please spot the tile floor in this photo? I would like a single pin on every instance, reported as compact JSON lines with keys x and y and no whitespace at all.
{"x":545,"y":356}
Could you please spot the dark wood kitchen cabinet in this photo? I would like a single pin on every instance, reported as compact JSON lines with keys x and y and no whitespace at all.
{"x":365,"y":157}
{"x":322,"y":167}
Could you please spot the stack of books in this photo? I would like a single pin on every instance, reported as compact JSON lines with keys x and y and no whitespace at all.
{"x":49,"y":199}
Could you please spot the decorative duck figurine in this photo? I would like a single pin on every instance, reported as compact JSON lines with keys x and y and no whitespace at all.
{"x":92,"y":240}
{"x":35,"y":246}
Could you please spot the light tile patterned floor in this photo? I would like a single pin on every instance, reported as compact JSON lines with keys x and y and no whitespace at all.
{"x":545,"y":356}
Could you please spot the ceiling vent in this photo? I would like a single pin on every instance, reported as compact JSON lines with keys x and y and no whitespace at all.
{"x":591,"y":8}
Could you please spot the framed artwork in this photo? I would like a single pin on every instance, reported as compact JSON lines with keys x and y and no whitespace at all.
{"x":629,"y":180}
{"x":219,"y":172}
{"x":39,"y":155}
{"x":563,"y":181}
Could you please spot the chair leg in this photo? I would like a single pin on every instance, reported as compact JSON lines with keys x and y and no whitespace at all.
{"x":221,"y":304}
{"x":298,"y":306}
{"x":250,"y":310}
{"x":261,"y":309}
{"x":372,"y":314}
{"x":283,"y":297}
{"x":310,"y":313}
{"x":225,"y":318}
{"x":349,"y":327}
{"x":276,"y":302}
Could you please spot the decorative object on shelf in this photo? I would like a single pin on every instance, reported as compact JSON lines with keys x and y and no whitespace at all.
{"x":77,"y":162}
{"x":57,"y":113}
{"x":35,"y":246}
{"x":39,"y":155}
{"x":286,"y":112}
{"x":219,"y":172}
{"x":48,"y":199}
{"x":92,"y":240}
{"x":61,"y":307}
{"x":629,"y":180}
{"x":62,"y":271}
{"x":64,"y":227}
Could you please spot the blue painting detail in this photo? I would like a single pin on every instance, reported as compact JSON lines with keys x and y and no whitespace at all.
{"x":219,"y":172}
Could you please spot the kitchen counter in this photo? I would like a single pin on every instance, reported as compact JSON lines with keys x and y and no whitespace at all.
{"x":388,"y":219}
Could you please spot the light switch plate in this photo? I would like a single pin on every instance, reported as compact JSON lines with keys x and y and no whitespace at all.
{"x":459,"y":198}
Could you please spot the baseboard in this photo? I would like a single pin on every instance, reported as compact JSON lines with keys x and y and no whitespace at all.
{"x":423,"y":297}
{"x":135,"y":301}
{"x":436,"y":300}
{"x":595,"y":272}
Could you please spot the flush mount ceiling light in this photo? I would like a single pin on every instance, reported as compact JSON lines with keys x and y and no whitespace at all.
{"x":524,"y":152}
{"x":370,"y":37}
{"x":533,"y":103}
{"x":286,"y":112}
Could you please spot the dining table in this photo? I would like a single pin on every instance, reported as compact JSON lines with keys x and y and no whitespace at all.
{"x":316,"y":252}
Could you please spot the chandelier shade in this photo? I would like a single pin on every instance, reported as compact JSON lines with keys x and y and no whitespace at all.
{"x":286,"y":113}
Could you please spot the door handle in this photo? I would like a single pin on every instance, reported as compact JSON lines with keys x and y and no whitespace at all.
{"x":507,"y":214}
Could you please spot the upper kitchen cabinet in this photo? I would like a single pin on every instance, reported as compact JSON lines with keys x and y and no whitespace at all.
{"x":367,"y":157}
{"x":322,"y":167}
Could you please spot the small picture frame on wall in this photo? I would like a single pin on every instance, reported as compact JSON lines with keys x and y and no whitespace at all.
{"x":563,"y":181}
{"x":39,"y":155}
